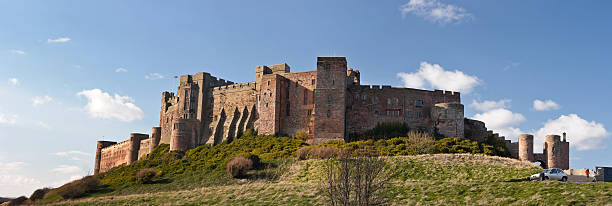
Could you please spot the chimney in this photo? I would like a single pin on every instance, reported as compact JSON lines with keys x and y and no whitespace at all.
{"x":564,"y":140}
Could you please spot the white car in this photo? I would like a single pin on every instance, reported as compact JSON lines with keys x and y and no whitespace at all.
{"x":550,"y":174}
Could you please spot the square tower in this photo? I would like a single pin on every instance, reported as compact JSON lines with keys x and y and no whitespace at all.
{"x":330,"y":99}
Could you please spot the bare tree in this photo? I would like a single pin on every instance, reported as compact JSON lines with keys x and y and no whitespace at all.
{"x":358,"y":178}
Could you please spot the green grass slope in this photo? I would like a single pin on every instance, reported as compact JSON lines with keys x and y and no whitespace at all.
{"x":440,"y":179}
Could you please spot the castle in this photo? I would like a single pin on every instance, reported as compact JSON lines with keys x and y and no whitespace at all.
{"x":328,"y":103}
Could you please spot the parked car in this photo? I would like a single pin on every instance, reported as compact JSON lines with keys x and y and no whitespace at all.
{"x":550,"y":174}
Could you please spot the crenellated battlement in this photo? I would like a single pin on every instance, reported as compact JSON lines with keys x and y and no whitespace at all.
{"x":117,"y":145}
{"x":235,"y":87}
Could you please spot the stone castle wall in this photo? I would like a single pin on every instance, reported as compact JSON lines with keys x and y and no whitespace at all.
{"x":370,"y":105}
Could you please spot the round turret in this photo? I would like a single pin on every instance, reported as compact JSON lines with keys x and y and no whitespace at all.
{"x":155,"y":138}
{"x":526,"y":147}
{"x":183,"y":134}
{"x":553,"y":151}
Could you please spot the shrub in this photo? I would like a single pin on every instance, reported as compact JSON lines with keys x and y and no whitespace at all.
{"x":303,"y":153}
{"x":457,"y":145}
{"x":318,"y":152}
{"x":302,"y":135}
{"x":18,"y":201}
{"x":145,"y":175}
{"x":254,"y":158}
{"x":79,"y":188}
{"x":238,"y":166}
{"x":383,"y":130}
{"x":39,"y":194}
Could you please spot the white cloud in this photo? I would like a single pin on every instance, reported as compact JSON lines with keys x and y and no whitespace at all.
{"x":58,"y":40}
{"x":435,"y":76}
{"x":121,"y":69}
{"x":16,"y":51}
{"x":66,"y":169}
{"x":154,"y":76}
{"x":73,"y":152}
{"x":9,"y":180}
{"x":545,"y":105}
{"x":582,"y":134}
{"x":103,"y":105}
{"x":490,"y":105}
{"x":435,"y":11}
{"x":499,"y":119}
{"x":38,"y":100}
{"x":9,"y":166}
{"x":13,"y":81}
{"x":13,"y":183}
{"x":8,"y":119}
{"x":43,"y":125}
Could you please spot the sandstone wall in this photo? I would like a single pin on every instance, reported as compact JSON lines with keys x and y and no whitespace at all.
{"x":297,"y":102}
{"x":369,"y":105}
{"x":145,"y":148}
{"x":330,"y":98}
{"x":234,"y":111}
{"x":115,"y":155}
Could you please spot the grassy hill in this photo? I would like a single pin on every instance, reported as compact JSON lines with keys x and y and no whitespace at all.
{"x":198,"y":177}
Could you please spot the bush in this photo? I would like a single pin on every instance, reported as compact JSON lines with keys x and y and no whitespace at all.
{"x":39,"y":194}
{"x":302,"y":135}
{"x":18,"y":201}
{"x":254,"y":158}
{"x":146,"y":175}
{"x":457,"y":145}
{"x":78,"y":188}
{"x":383,"y":130}
{"x":238,"y":166}
{"x":303,"y":153}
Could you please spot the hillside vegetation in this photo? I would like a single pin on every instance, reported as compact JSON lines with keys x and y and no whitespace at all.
{"x":198,"y":176}
{"x":440,"y":179}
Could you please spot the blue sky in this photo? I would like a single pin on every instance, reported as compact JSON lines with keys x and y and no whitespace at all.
{"x":74,"y":72}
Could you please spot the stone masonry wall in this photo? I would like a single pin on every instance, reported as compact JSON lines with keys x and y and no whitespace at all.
{"x":233,"y":111}
{"x":370,"y":105}
{"x":297,"y":96}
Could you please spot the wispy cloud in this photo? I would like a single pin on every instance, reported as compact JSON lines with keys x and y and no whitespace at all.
{"x":103,"y":105}
{"x":154,"y":76}
{"x":435,"y":11}
{"x":490,"y":105}
{"x":38,"y":100}
{"x":13,"y":81}
{"x":434,"y":76}
{"x":16,"y":51}
{"x":8,"y":119}
{"x":545,"y":105}
{"x":511,"y":65}
{"x":121,"y":69}
{"x":59,"y":40}
{"x":73,"y":152}
{"x":43,"y":125}
{"x":66,"y":169}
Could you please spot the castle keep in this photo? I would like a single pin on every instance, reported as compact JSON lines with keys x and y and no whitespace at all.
{"x":328,"y":103}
